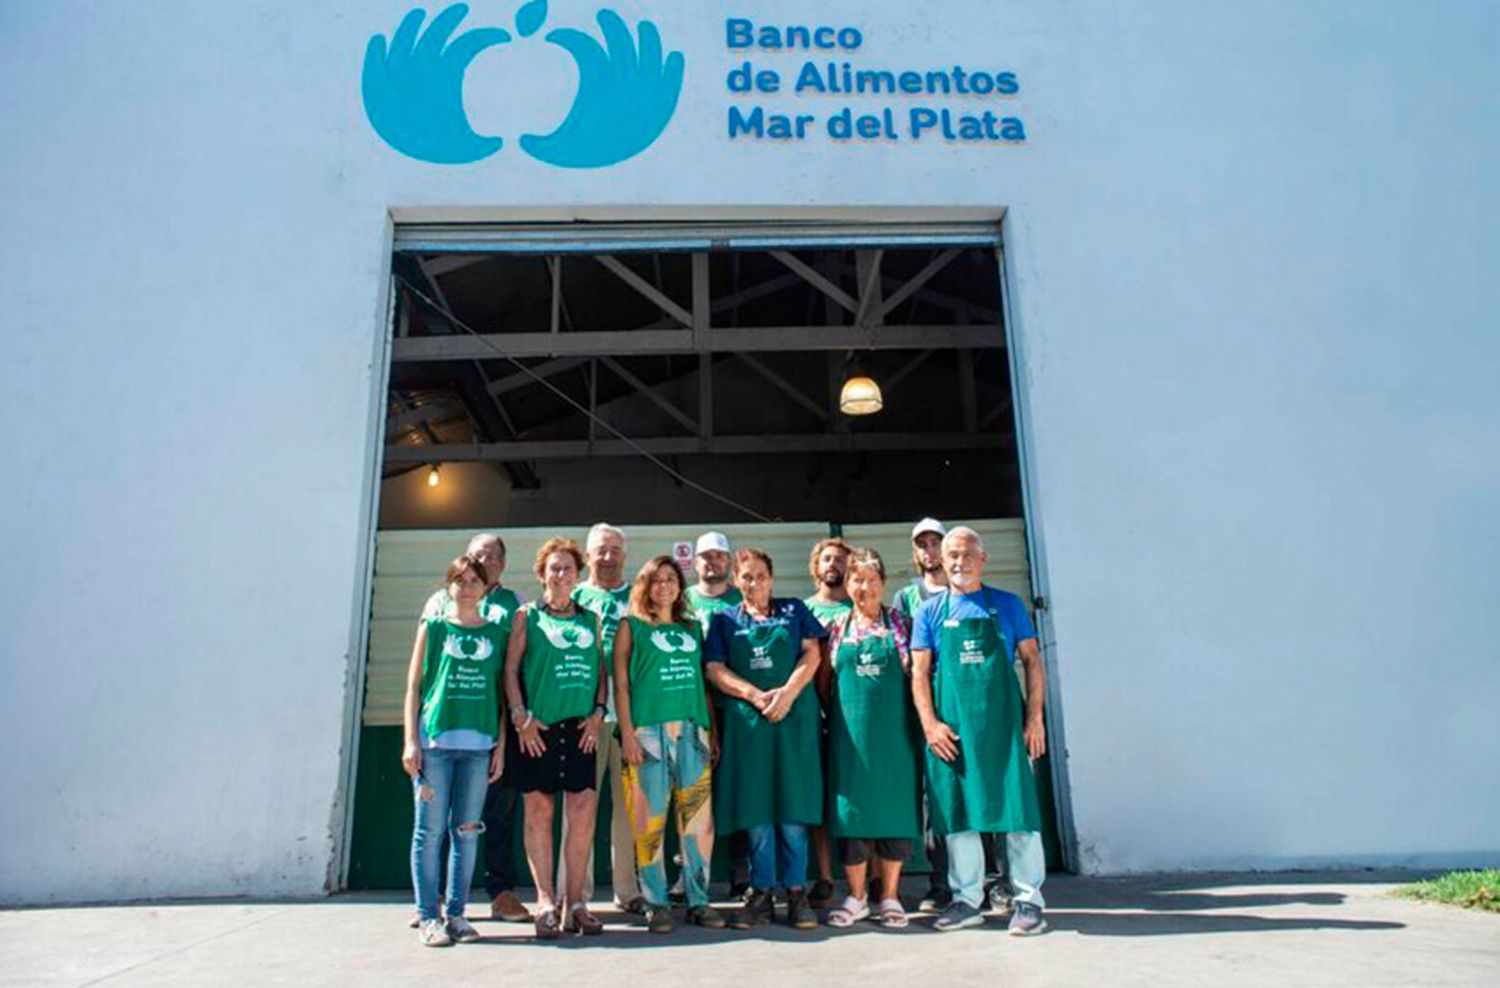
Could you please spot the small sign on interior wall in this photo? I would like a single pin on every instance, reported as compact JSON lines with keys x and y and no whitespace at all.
{"x":682,"y":553}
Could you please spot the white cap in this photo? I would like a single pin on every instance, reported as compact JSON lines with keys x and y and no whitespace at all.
{"x":928,"y":525}
{"x":711,"y":542}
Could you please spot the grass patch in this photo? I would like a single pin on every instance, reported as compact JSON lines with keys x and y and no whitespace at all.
{"x":1470,"y":889}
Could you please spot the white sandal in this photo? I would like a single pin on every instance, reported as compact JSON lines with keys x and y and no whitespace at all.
{"x":852,"y":911}
{"x":892,"y":914}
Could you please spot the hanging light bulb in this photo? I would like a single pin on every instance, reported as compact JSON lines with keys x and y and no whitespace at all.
{"x":432,"y":476}
{"x":860,"y":394}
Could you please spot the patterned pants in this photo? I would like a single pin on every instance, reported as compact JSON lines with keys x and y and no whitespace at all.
{"x":677,"y":768}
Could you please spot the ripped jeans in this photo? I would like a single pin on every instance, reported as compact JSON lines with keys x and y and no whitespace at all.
{"x":454,"y":782}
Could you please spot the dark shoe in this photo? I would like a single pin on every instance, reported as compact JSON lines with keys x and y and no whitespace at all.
{"x":1027,"y":921}
{"x":936,"y":900}
{"x":757,"y":911}
{"x":507,"y":907}
{"x":705,"y":916}
{"x":799,"y":911}
{"x":659,"y":919}
{"x":958,"y":916}
{"x":999,"y":899}
{"x":636,"y":906}
{"x":739,"y":890}
{"x":820,"y":894}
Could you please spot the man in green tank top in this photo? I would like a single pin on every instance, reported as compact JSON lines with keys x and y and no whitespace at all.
{"x":712,"y":593}
{"x":498,"y":607}
{"x":607,"y":594}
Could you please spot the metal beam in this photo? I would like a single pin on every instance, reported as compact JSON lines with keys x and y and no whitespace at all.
{"x":647,"y":289}
{"x":787,"y":387}
{"x":922,"y":277}
{"x":412,"y":416}
{"x":901,"y":375}
{"x":867,"y":266}
{"x":815,"y":279}
{"x":638,"y":342}
{"x":518,"y":380}
{"x":570,"y":449}
{"x":650,"y":394}
{"x":769,"y":287}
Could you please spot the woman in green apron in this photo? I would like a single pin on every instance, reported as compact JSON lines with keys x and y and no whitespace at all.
{"x":554,"y":680}
{"x":873,"y":778}
{"x":762,"y":655}
{"x":451,"y":720}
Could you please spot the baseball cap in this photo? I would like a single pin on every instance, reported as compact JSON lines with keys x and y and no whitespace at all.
{"x":710,"y":541}
{"x":928,"y":525}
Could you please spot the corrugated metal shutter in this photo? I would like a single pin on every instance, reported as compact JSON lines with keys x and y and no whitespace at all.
{"x":409,"y":566}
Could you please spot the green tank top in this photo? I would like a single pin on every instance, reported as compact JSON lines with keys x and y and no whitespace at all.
{"x":705,"y":607}
{"x":461,"y":677}
{"x":666,"y":673}
{"x":560,"y":667}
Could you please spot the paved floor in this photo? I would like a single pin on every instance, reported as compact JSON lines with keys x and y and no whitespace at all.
{"x":1226,"y":930}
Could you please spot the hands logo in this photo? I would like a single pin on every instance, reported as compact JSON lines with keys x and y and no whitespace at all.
{"x":674,"y":641}
{"x":413,"y":89}
{"x":567,"y":636}
{"x":473,"y":649}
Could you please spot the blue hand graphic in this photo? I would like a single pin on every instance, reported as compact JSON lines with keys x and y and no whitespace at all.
{"x":624,"y":99}
{"x":414,"y":90}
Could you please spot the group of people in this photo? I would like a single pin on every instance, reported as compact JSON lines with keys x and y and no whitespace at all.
{"x":794,"y":727}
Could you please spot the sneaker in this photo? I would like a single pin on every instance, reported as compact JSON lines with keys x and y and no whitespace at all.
{"x":461,"y":930}
{"x":1027,"y":920}
{"x":705,"y":916}
{"x":636,"y":906}
{"x":659,"y":919}
{"x":507,"y":907}
{"x":820,"y":894}
{"x":935,"y":901}
{"x":799,"y":911}
{"x":757,"y":911}
{"x":958,"y":916}
{"x":433,"y":934}
{"x":739,"y":890}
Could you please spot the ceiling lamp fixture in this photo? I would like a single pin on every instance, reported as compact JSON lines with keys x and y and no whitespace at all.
{"x":432,"y":476}
{"x":860,"y":394}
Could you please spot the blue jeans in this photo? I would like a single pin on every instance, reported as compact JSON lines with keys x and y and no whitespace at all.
{"x":778,"y":855}
{"x":1026,"y":864}
{"x":448,"y":795}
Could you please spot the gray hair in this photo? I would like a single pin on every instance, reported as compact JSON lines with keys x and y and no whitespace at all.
{"x":487,"y":537}
{"x":963,"y":532}
{"x":600,"y":530}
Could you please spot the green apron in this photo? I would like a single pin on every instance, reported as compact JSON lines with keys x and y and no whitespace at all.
{"x":769,"y":773}
{"x":872,"y":762}
{"x":989,"y":787}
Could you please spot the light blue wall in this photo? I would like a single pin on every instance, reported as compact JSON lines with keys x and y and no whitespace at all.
{"x":1254,"y":269}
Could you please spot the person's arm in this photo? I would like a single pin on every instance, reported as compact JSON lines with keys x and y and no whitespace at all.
{"x":784,"y":696}
{"x":1036,"y":695}
{"x":726,"y":682}
{"x":630,"y":750}
{"x":497,"y":754}
{"x":528,"y":731}
{"x":823,"y":682}
{"x":940,"y":737}
{"x":588,"y":740}
{"x":411,"y":751}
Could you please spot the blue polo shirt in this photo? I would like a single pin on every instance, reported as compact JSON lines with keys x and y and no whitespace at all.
{"x":1000,"y":606}
{"x":728,"y":622}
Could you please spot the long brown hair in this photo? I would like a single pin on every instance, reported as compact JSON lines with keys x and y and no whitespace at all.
{"x":640,"y":591}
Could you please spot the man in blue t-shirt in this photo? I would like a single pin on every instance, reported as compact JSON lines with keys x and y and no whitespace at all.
{"x":964,"y":641}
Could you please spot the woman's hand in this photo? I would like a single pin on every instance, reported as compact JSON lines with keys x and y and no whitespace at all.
{"x":782,"y":699}
{"x":497,"y":760}
{"x":411,"y":758}
{"x":630,"y":748}
{"x":588,"y":741}
{"x":762,"y":700}
{"x":531,"y":738}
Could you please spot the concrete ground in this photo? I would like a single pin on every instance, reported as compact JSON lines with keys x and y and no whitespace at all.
{"x":1224,"y":930}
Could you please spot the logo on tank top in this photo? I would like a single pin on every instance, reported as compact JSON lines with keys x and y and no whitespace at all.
{"x":469,"y":648}
{"x":566,"y":636}
{"x":674,"y":641}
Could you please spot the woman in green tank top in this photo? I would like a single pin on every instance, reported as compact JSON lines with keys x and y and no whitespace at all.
{"x":555,"y":682}
{"x":451,"y":720}
{"x":666,"y":742}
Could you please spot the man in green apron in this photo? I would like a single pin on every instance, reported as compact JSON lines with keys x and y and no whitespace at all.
{"x":980,"y":741}
{"x":827,"y":564}
{"x":500,"y":800}
{"x":606,"y":592}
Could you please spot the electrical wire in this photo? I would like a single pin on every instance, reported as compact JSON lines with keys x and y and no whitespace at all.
{"x":677,"y":475}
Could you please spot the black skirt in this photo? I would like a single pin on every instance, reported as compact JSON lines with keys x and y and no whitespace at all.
{"x":562,"y":767}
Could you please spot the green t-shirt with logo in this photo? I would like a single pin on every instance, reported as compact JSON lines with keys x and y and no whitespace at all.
{"x":705,"y":607}
{"x":827,"y":614}
{"x":560,"y":667}
{"x":461,"y":672}
{"x":610,"y":606}
{"x":666,"y":673}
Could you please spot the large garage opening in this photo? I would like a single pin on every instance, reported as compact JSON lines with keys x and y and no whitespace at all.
{"x":671,"y":380}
